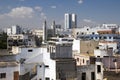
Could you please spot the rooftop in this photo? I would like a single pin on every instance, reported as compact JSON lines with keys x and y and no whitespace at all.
{"x":8,"y":64}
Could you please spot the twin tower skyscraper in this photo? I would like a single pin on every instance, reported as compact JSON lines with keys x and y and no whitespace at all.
{"x":70,"y":21}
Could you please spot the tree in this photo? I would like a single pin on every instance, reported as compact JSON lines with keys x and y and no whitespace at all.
{"x":3,"y":40}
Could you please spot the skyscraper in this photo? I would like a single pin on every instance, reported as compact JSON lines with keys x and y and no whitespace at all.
{"x":74,"y":21}
{"x":44,"y":31}
{"x":53,"y":26}
{"x":70,"y":21}
{"x":16,"y":29}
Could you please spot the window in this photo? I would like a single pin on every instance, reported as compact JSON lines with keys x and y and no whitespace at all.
{"x":105,"y":37}
{"x":77,"y":33}
{"x":30,"y":50}
{"x":40,"y":66}
{"x":9,"y":40}
{"x":47,"y":78}
{"x":46,"y":66}
{"x":2,"y":75}
{"x":48,"y":49}
{"x":114,"y":37}
{"x":93,"y":33}
{"x":82,"y":33}
{"x":83,"y":60}
{"x":109,"y":37}
{"x":92,"y":75}
{"x":83,"y":76}
{"x":77,"y":59}
{"x":98,"y":68}
{"x":20,"y":40}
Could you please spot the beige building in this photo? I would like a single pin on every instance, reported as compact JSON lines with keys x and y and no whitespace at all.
{"x":88,"y":46}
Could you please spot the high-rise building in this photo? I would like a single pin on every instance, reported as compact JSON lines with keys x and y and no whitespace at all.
{"x":74,"y":21}
{"x":53,"y":26}
{"x":44,"y":31}
{"x":70,"y":21}
{"x":16,"y":29}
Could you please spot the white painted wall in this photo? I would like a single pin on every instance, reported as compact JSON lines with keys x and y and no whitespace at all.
{"x":51,"y":70}
{"x":39,"y":57}
{"x":9,"y":31}
{"x":100,"y":53}
{"x":76,"y":46}
{"x":99,"y":76}
{"x":9,"y":72}
{"x":24,"y":53}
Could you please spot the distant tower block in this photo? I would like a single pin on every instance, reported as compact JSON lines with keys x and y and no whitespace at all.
{"x":74,"y":21}
{"x":70,"y":21}
{"x":44,"y":31}
{"x":54,"y":28}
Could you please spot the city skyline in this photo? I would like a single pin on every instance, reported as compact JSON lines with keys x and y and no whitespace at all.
{"x":32,"y":13}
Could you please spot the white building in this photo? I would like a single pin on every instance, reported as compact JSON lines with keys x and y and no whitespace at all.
{"x":105,"y":28}
{"x":9,"y":31}
{"x":9,"y":67}
{"x":67,"y":21}
{"x":99,"y":54}
{"x":9,"y":71}
{"x":110,"y":26}
{"x":38,"y":59}
{"x":76,"y":46}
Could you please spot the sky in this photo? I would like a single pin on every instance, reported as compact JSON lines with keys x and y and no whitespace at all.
{"x":32,"y":13}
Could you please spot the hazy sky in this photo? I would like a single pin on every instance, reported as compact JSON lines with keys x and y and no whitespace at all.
{"x":31,"y":13}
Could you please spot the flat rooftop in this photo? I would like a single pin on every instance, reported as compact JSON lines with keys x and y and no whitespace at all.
{"x":8,"y":64}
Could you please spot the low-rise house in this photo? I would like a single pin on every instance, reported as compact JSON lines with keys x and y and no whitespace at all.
{"x":9,"y":67}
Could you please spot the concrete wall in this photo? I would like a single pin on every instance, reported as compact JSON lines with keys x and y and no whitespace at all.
{"x":66,"y":69}
{"x":109,"y":62}
{"x":88,"y":46}
{"x":85,"y":69}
